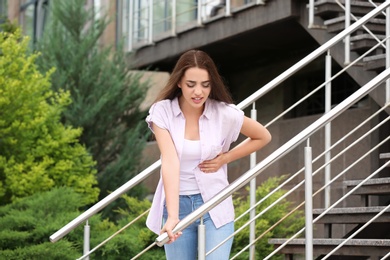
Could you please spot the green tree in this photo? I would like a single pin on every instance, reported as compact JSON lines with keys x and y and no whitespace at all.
{"x":37,"y":152}
{"x":105,"y":95}
{"x":284,"y":229}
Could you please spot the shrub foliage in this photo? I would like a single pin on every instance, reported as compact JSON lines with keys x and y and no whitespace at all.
{"x":284,"y":229}
{"x":37,"y":152}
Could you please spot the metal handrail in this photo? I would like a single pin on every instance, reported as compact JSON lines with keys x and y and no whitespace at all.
{"x":357,"y":231}
{"x":303,"y":181}
{"x":104,"y":202}
{"x":328,"y":209}
{"x":321,"y":50}
{"x":242,"y":105}
{"x":351,"y":64}
{"x":280,"y":152}
{"x":114,"y":235}
{"x":323,"y":187}
{"x":365,"y":28}
{"x":318,"y":157}
{"x":298,"y":185}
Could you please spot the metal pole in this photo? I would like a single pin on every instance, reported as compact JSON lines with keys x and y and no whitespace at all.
{"x":201,"y":240}
{"x":347,"y":40}
{"x":131,"y":21}
{"x":328,"y":102}
{"x":228,"y":11}
{"x":311,"y":14}
{"x":327,"y":129}
{"x":252,"y":227}
{"x":199,"y":12}
{"x":150,"y":37}
{"x":308,"y":203}
{"x":86,"y":240}
{"x":174,"y":17}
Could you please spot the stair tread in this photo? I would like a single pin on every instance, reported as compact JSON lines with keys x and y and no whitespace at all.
{"x":366,"y":36}
{"x":375,"y":181}
{"x":333,"y":241}
{"x":384,"y":156}
{"x":354,"y":210}
{"x":342,"y":18}
{"x":354,"y":3}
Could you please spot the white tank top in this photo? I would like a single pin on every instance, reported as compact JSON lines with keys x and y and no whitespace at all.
{"x":190,"y":159}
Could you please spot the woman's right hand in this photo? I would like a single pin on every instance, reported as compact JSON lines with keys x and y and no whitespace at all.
{"x":170,"y":224}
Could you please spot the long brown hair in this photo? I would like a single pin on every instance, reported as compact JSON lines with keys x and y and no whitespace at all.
{"x":195,"y":59}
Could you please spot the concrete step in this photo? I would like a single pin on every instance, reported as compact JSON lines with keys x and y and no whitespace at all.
{"x":384,"y":156}
{"x":375,"y":63}
{"x":330,"y":9}
{"x":363,"y":42}
{"x":356,"y":215}
{"x":336,"y":25}
{"x":322,"y":246}
{"x":377,"y":186}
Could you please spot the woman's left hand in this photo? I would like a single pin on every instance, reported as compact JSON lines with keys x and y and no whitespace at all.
{"x":213,"y":165}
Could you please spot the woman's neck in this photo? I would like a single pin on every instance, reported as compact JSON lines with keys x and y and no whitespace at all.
{"x":189,"y":111}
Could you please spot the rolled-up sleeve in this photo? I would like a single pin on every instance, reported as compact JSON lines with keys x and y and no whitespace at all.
{"x":158,"y":115}
{"x":238,"y":119}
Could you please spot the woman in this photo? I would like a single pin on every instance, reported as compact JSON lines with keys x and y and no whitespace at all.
{"x":195,"y":122}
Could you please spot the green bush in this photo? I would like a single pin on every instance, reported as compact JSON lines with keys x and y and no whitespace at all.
{"x":27,"y":224}
{"x":37,"y":152}
{"x":135,"y":238}
{"x":285,"y":229}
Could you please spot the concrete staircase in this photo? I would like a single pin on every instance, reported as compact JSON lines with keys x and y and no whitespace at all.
{"x":373,"y":242}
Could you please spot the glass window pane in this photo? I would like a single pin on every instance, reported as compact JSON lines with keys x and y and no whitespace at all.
{"x":3,"y":9}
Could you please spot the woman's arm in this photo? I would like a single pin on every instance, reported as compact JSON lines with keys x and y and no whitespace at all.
{"x":170,"y":169}
{"x":258,"y":137}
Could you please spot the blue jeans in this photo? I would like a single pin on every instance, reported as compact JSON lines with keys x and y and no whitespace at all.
{"x":186,"y":246}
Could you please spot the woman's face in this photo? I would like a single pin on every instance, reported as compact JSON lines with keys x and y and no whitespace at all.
{"x":195,"y":86}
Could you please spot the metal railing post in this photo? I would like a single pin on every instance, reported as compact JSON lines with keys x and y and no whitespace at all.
{"x":309,"y":202}
{"x":150,"y":34}
{"x":131,"y":19}
{"x":328,"y":103}
{"x":174,"y":17}
{"x":327,"y":141}
{"x":228,"y":11}
{"x":201,"y":240}
{"x":311,"y":14}
{"x":199,"y":18}
{"x":347,"y":40}
{"x":86,"y":248}
{"x":252,"y":227}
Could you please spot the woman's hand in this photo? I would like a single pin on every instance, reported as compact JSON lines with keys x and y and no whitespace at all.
{"x":168,"y":227}
{"x":213,"y":165}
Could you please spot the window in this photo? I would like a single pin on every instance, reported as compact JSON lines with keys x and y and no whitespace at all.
{"x":33,"y":17}
{"x":3,"y":10}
